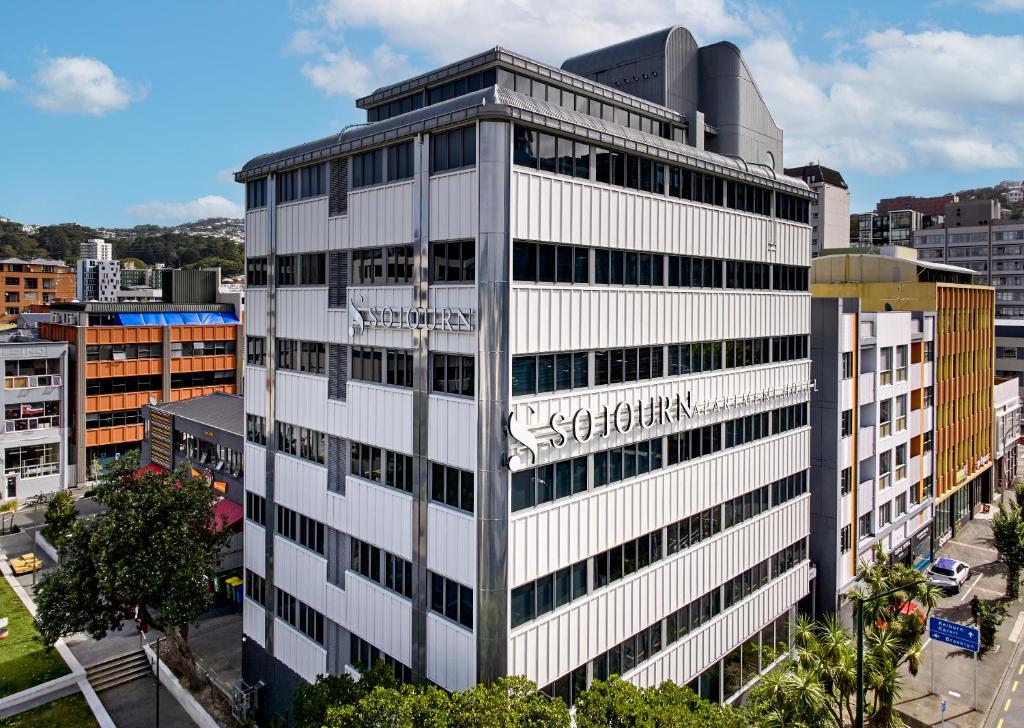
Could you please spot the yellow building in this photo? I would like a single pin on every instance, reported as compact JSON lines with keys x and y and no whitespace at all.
{"x":964,"y":361}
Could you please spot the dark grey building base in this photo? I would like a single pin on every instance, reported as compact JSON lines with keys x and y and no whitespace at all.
{"x":279,"y":682}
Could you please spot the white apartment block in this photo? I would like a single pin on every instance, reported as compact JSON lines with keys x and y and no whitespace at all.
{"x":34,"y":439}
{"x":527,"y":382}
{"x":830,"y":210}
{"x":98,"y":280}
{"x":96,"y":249}
{"x":1006,"y":431}
{"x":875,"y":397}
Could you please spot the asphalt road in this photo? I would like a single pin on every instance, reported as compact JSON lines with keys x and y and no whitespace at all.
{"x":1008,"y":708}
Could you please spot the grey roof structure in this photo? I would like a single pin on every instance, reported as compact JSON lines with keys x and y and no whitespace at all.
{"x":218,"y":410}
{"x":499,"y":102}
{"x":140,"y":307}
{"x":812,"y":173}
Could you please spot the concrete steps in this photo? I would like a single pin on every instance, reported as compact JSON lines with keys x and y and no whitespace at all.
{"x":118,"y":670}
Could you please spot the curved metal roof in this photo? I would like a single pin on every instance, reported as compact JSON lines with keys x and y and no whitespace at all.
{"x":646,"y":45}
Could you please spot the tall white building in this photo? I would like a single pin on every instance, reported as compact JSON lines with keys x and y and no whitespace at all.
{"x":98,"y":280}
{"x":830,"y":210}
{"x":875,"y":397}
{"x":96,"y":249}
{"x":530,"y":357}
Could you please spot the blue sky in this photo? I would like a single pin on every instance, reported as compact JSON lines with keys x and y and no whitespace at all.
{"x":117,"y":113}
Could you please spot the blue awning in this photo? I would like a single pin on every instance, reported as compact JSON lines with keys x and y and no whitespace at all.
{"x":170,"y":318}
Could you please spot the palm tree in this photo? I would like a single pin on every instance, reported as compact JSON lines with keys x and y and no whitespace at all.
{"x":1008,"y":534}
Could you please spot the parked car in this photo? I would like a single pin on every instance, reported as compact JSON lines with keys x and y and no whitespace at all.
{"x":949,"y":574}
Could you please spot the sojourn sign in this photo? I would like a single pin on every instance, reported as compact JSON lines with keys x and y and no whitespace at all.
{"x":408,"y":318}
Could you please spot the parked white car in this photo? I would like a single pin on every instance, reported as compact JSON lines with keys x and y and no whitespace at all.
{"x":949,"y":574}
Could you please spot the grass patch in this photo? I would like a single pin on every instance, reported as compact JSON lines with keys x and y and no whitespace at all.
{"x":23,"y":661}
{"x":69,"y":711}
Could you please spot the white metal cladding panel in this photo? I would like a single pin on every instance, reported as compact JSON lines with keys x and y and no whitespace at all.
{"x":300,"y":398}
{"x":846,"y":451}
{"x":335,"y":604}
{"x":302,"y":313}
{"x":255,"y":547}
{"x":451,"y":654}
{"x":256,"y":242}
{"x":543,"y":540}
{"x":376,"y":514}
{"x":566,"y":638}
{"x":455,"y":297}
{"x":379,"y":415}
{"x":256,"y":311}
{"x":453,"y":205}
{"x":847,"y":394}
{"x":376,"y":216}
{"x":703,"y":388}
{"x":379,"y":616}
{"x":560,"y":318}
{"x":300,"y":485}
{"x":451,"y":548}
{"x":302,"y":226}
{"x":256,"y":393}
{"x":337,"y":326}
{"x":558,"y":209}
{"x":393,"y":297}
{"x":255,"y":468}
{"x":684,"y":660}
{"x":452,"y":431}
{"x":298,"y":651}
{"x":254,"y":621}
{"x":300,"y":572}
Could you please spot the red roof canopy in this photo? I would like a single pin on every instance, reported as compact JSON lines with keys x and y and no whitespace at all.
{"x":226,"y":509}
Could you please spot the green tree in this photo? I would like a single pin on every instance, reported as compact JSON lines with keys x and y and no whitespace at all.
{"x":990,"y":616}
{"x":819,"y":688}
{"x":1008,"y":535}
{"x":61,"y":515}
{"x":311,"y":700}
{"x":153,"y":549}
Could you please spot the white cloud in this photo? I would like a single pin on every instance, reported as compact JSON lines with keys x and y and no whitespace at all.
{"x":82,"y":85}
{"x":933,"y":99}
{"x":444,"y":30}
{"x":6,"y":82}
{"x":1002,"y":6}
{"x":227,"y":176}
{"x":178,"y":212}
{"x":339,"y":73}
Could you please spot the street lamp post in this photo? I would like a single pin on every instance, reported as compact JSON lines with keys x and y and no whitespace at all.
{"x":861,"y":601}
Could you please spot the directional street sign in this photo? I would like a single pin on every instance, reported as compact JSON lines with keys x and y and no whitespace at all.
{"x":954,"y":633}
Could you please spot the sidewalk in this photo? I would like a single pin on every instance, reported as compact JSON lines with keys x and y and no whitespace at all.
{"x":954,"y":668}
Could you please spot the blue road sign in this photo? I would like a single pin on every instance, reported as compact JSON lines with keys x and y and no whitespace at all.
{"x":954,"y":633}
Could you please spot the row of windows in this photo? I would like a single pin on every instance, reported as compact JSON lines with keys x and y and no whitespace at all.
{"x":301,"y":529}
{"x":534,"y":262}
{"x":256,"y":429}
{"x":452,"y":486}
{"x":390,"y":265}
{"x":221,"y":347}
{"x":256,"y":193}
{"x":550,"y":372}
{"x":298,"y":184}
{"x":437,"y":94}
{"x":302,"y":356}
{"x":301,"y":442}
{"x":221,"y":378}
{"x":256,"y":350}
{"x":368,"y":168}
{"x":118,"y":418}
{"x":117,"y":385}
{"x":121,"y":352}
{"x":256,"y":272}
{"x":451,"y":600}
{"x":300,"y":615}
{"x":256,"y":587}
{"x":757,"y":576}
{"x":382,"y":366}
{"x":560,"y":155}
{"x":305,"y":269}
{"x":392,"y":469}
{"x":391,"y":572}
{"x":553,"y":481}
{"x":549,"y":592}
{"x":452,"y":149}
{"x":363,"y":655}
{"x":453,"y":261}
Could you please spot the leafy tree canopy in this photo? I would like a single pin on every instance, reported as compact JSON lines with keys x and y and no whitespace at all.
{"x":153,"y":548}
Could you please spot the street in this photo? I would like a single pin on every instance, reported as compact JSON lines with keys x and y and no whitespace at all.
{"x":1008,"y":708}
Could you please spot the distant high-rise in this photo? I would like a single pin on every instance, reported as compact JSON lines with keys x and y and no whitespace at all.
{"x":96,"y":249}
{"x":830,"y":212}
{"x":98,"y":280}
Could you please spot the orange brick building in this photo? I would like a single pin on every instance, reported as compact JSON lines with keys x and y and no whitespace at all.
{"x":964,"y":360}
{"x":127,"y":355}
{"x":28,"y":283}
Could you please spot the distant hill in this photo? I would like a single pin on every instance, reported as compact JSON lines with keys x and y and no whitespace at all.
{"x":1016,"y":210}
{"x":205,"y":243}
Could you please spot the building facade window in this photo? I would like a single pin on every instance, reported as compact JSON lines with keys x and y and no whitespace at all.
{"x":31,"y":373}
{"x":453,"y":149}
{"x":256,"y":193}
{"x":550,"y":373}
{"x":299,"y":615}
{"x":388,"y":266}
{"x":453,"y":261}
{"x":452,"y":487}
{"x":302,"y":183}
{"x":303,"y":530}
{"x":32,"y":461}
{"x":846,"y":481}
{"x":846,"y":428}
{"x":391,"y":572}
{"x":256,"y":429}
{"x":549,"y":263}
{"x":256,"y":272}
{"x":309,"y":357}
{"x":451,"y":600}
{"x":256,"y":350}
{"x":255,"y":508}
{"x":375,"y":464}
{"x":301,"y":442}
{"x":453,"y":374}
{"x":845,"y":541}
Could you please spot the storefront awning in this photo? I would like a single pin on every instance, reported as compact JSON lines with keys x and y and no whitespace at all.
{"x":227,"y":514}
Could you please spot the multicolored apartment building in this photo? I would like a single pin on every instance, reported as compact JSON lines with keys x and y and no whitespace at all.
{"x":964,"y":361}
